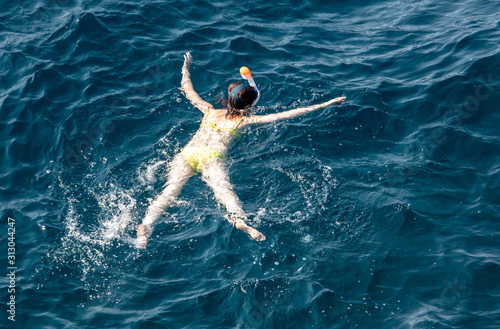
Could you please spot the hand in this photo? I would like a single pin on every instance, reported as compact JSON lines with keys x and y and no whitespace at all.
{"x":333,"y":101}
{"x":188,"y":59}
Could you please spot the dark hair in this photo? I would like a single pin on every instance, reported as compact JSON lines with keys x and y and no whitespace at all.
{"x":246,"y":97}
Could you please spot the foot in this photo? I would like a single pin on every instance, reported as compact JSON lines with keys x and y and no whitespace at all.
{"x":143,"y":232}
{"x":253,"y":233}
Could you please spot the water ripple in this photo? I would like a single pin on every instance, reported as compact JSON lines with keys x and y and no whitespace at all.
{"x":380,"y":212}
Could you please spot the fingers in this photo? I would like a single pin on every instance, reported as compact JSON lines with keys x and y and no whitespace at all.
{"x":333,"y":101}
{"x":188,"y":58}
{"x":337,"y":100}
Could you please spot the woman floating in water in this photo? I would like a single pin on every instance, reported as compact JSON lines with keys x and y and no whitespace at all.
{"x":207,"y":150}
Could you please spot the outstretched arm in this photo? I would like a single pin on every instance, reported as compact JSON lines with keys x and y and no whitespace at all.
{"x":291,"y":113}
{"x":187,"y":87}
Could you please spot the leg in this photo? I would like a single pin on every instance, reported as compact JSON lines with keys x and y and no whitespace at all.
{"x":215,"y":175}
{"x":179,"y":174}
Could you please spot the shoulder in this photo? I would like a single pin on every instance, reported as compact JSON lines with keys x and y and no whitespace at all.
{"x":216,"y":114}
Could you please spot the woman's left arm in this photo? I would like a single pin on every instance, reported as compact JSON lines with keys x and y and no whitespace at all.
{"x":187,"y":87}
{"x":291,"y":113}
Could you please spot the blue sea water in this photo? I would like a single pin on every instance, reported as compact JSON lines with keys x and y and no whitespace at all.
{"x":379,"y":213}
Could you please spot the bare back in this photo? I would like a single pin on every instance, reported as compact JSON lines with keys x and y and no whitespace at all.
{"x":216,"y":131}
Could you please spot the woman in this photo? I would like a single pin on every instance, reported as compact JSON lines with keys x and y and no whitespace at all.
{"x":207,"y":150}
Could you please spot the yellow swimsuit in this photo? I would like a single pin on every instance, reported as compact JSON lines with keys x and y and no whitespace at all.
{"x":196,"y":157}
{"x":233,"y":130}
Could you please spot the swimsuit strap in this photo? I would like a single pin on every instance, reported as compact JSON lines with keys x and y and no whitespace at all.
{"x":206,"y":115}
{"x":206,"y":123}
{"x":234,"y":131}
{"x":241,"y":119}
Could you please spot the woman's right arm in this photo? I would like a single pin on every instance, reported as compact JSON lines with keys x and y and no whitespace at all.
{"x":187,"y":87}
{"x":291,"y":113}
